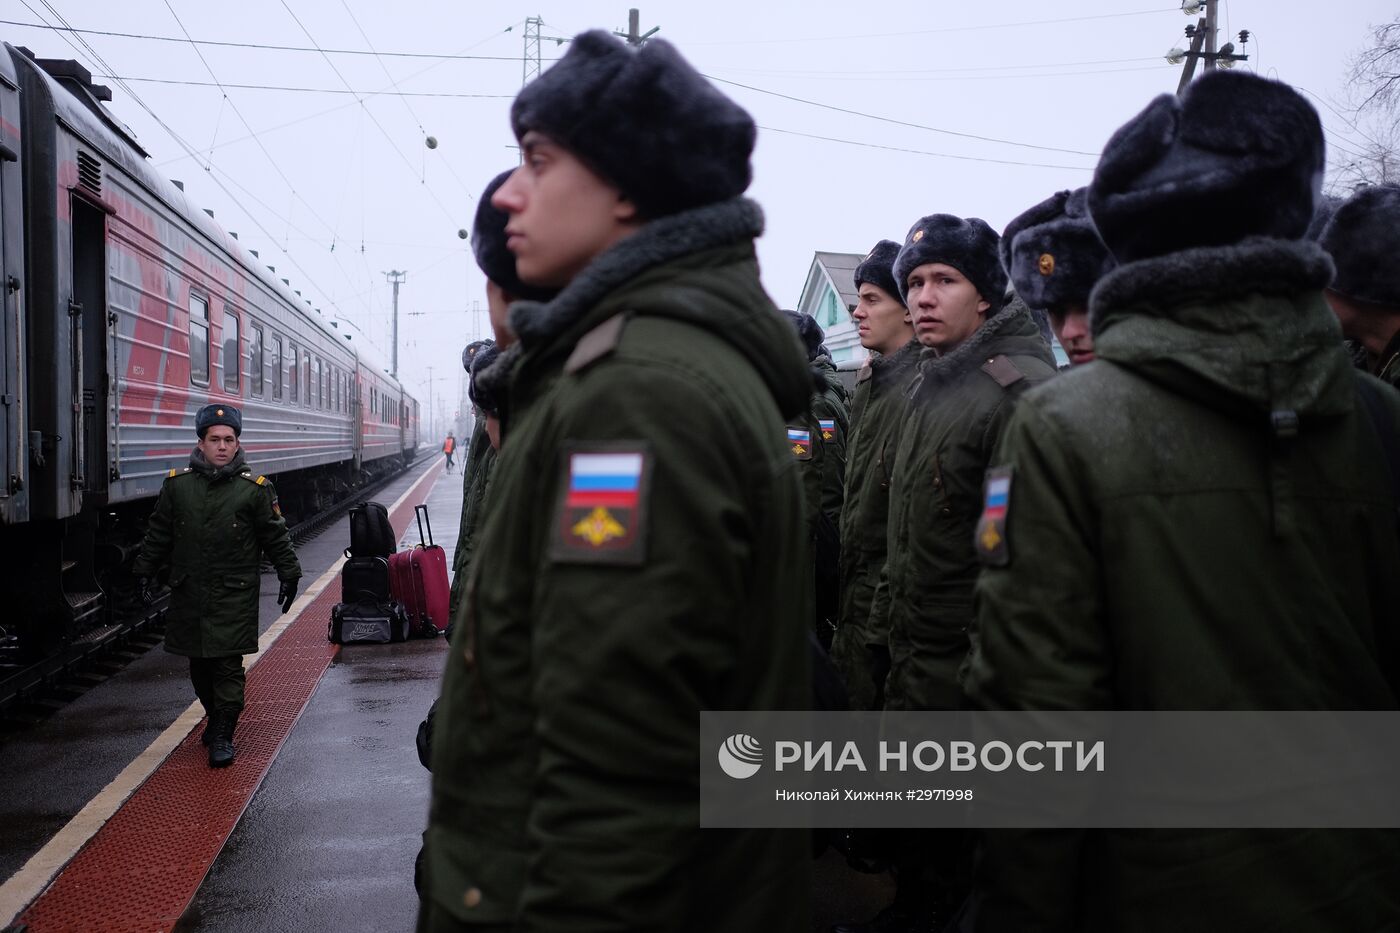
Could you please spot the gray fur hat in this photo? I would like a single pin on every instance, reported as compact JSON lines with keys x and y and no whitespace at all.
{"x":1363,"y":237}
{"x":478,"y":390}
{"x":970,"y":246}
{"x":489,"y":246}
{"x":470,"y":351}
{"x":1053,"y":253}
{"x":808,"y":331}
{"x":644,"y":120}
{"x":210,"y":415}
{"x":1237,"y":155}
{"x":877,"y":268}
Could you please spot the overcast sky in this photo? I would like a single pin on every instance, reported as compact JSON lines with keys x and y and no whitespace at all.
{"x":334,"y":188}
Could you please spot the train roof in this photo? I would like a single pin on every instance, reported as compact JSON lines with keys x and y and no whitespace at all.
{"x":80,"y":105}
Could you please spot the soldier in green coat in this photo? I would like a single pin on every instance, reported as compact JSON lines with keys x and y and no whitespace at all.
{"x":1363,"y":238}
{"x":213,"y":521}
{"x":1201,"y":519}
{"x":860,"y":649}
{"x":636,"y":566}
{"x":476,"y":476}
{"x":978,"y":357}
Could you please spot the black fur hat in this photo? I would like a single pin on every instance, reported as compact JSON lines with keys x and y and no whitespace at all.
{"x":1363,"y":237}
{"x":970,"y":246}
{"x":877,"y":268}
{"x":211,"y":415}
{"x":480,"y":394}
{"x":644,"y":120}
{"x":1053,"y":253}
{"x":489,"y":246}
{"x":470,"y":351}
{"x":808,"y":331}
{"x":1236,"y":156}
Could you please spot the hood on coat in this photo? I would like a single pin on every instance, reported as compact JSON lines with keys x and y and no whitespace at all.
{"x":1242,"y":328}
{"x":697,"y":266}
{"x":829,"y":377}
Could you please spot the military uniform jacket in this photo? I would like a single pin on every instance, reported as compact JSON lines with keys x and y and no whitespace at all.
{"x":1198,"y":520}
{"x":212,"y":527}
{"x":877,"y":413}
{"x":831,"y":407}
{"x":481,"y":462}
{"x":959,"y":404}
{"x":636,"y":567}
{"x":1388,"y":366}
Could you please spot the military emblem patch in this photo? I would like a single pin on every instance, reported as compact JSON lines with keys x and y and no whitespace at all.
{"x":800,"y":442}
{"x":828,"y":426}
{"x":602,"y":510}
{"x":990,"y":537}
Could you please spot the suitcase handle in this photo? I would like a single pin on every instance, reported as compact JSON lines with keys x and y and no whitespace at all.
{"x":421,"y":512}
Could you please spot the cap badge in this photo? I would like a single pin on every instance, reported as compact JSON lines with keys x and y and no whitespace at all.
{"x":1047,"y":264}
{"x":219,"y":413}
{"x":918,"y":235}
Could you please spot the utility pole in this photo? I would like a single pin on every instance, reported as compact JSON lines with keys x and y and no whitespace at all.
{"x":530,"y":64}
{"x":1210,"y":35}
{"x":432,"y":421}
{"x":1203,"y":48}
{"x":395,"y":278}
{"x":633,"y":35}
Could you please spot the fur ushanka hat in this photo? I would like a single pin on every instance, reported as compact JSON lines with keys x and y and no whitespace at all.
{"x":1053,"y":253}
{"x":808,"y":331}
{"x":481,"y":396}
{"x":1363,"y":237}
{"x":1237,"y":155}
{"x":489,"y":246}
{"x":877,"y":268}
{"x":970,"y":246}
{"x":644,"y":120}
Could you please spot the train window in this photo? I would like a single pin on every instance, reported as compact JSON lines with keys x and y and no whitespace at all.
{"x":231,"y":359}
{"x":255,"y":360}
{"x":313,"y":397}
{"x":199,"y":340}
{"x":276,"y":347}
{"x":293,"y":381}
{"x":325,"y":385}
{"x":306,"y":376}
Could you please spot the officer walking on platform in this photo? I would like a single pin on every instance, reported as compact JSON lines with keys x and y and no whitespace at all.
{"x":213,"y":522}
{"x":636,"y":563}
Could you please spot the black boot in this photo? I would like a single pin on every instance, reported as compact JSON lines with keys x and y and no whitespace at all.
{"x":207,"y":735}
{"x":221,"y":726}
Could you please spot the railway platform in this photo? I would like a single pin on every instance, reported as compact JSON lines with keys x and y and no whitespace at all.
{"x":114,"y":822}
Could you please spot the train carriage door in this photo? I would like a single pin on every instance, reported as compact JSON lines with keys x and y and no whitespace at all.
{"x":91,"y":328}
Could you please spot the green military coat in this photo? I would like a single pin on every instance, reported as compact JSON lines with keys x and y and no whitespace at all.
{"x":212,"y":527}
{"x":959,"y":404}
{"x":636,"y":567}
{"x":860,"y":648}
{"x":1388,"y":366}
{"x":1164,"y":547}
{"x":831,"y":407}
{"x":480,"y":463}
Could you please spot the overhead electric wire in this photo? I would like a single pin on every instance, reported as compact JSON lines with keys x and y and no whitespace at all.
{"x":259,"y":45}
{"x":307,"y":90}
{"x":96,"y":58}
{"x":941,"y":155}
{"x":423,"y":181}
{"x":900,"y":72}
{"x":917,"y":126}
{"x":945,"y":29}
{"x":992,"y":77}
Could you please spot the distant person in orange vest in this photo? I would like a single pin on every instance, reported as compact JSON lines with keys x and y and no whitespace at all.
{"x":448,"y":446}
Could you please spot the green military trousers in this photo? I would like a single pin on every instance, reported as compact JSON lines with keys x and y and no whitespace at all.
{"x":218,"y":682}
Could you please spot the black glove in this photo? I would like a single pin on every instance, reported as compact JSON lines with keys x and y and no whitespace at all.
{"x":288,"y":593}
{"x":144,"y":591}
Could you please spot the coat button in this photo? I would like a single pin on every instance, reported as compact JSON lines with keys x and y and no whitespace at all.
{"x":472,"y":898}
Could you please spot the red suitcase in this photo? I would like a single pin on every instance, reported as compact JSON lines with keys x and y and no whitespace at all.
{"x":418,"y":579}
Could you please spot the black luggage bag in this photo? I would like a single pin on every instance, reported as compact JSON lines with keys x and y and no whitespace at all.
{"x":364,"y":579}
{"x":371,"y":535}
{"x":365,"y":622}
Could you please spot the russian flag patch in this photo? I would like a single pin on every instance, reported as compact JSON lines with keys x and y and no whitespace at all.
{"x":990,"y":537}
{"x":800,"y":443}
{"x":602,"y":508}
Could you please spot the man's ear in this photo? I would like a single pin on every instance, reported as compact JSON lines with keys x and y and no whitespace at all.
{"x":983,"y":306}
{"x":625,"y":211}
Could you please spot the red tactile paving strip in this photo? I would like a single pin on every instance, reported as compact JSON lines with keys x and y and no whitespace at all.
{"x":142,"y":869}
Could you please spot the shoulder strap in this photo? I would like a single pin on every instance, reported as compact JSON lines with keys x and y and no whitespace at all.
{"x":261,"y":480}
{"x":1003,"y":370}
{"x":596,"y":344}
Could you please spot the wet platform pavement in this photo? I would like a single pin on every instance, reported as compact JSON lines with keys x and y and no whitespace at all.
{"x":321,"y":835}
